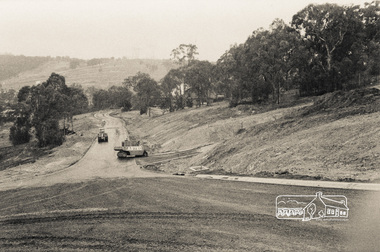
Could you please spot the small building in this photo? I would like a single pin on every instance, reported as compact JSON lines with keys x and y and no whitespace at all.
{"x":309,"y":207}
{"x":322,"y":207}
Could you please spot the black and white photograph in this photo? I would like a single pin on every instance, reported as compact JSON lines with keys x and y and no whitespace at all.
{"x":190,"y":125}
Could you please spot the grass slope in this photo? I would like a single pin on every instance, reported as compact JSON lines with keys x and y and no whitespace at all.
{"x":111,"y":72}
{"x":335,"y":138}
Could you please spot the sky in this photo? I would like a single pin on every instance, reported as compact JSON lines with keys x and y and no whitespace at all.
{"x":151,"y":29}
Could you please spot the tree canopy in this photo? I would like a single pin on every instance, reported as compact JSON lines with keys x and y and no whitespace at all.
{"x":184,"y":54}
{"x":42,"y":106}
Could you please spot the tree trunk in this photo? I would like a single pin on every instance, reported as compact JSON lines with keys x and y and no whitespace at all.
{"x":278,"y":93}
{"x":328,"y":57}
{"x":72,"y":123}
{"x":64,"y":125}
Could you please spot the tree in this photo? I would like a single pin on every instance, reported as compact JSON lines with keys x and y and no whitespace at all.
{"x":48,"y":133}
{"x":231,"y":69}
{"x":101,"y":99}
{"x":48,"y":103}
{"x":147,"y":92}
{"x":93,"y":62}
{"x":7,"y":96}
{"x":43,"y":106}
{"x":225,"y":72}
{"x":370,"y":57}
{"x":330,"y":33}
{"x":172,"y":81}
{"x":198,"y":76}
{"x":74,"y":63}
{"x":76,"y":103}
{"x":114,"y":97}
{"x":23,"y":94}
{"x":132,"y":81}
{"x":20,"y":131}
{"x":269,"y":57}
{"x":184,"y":54}
{"x":120,"y":97}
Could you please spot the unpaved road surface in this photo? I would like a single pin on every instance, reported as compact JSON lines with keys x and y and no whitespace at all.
{"x":176,"y":214}
{"x":105,"y":204}
{"x":100,"y":161}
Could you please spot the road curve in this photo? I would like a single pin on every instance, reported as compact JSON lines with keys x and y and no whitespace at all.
{"x":100,"y":161}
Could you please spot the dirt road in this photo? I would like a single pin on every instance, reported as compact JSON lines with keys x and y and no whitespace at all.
{"x":176,"y":214}
{"x":100,"y":161}
{"x":105,"y":204}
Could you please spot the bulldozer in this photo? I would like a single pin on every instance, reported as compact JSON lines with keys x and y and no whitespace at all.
{"x":102,"y":136}
{"x":131,"y":148}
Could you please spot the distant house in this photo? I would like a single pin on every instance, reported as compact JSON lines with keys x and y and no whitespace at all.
{"x":190,"y":94}
{"x":193,"y":95}
{"x":322,"y":207}
{"x":180,"y":90}
{"x":308,"y":207}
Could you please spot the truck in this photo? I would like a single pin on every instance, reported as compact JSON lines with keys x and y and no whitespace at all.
{"x":102,"y":136}
{"x":130,"y":148}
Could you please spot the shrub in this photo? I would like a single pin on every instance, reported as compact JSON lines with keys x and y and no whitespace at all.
{"x":19,"y":134}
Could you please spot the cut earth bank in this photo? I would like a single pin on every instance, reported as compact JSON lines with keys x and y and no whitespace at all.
{"x":333,"y":138}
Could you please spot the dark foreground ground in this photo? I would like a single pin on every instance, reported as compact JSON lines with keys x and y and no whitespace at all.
{"x":177,"y":214}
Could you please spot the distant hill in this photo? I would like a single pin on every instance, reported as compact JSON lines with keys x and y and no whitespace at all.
{"x":100,"y":73}
{"x":11,"y":66}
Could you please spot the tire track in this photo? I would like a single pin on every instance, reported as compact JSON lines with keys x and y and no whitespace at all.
{"x":96,"y":244}
{"x":45,"y":199}
{"x":108,"y":215}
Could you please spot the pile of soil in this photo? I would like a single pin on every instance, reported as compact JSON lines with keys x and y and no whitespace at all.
{"x":357,"y":101}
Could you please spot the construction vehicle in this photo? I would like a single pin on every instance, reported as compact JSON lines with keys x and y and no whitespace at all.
{"x":102,"y":136}
{"x":131,"y":148}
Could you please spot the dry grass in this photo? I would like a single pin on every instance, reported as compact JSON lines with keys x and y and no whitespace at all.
{"x":101,"y":76}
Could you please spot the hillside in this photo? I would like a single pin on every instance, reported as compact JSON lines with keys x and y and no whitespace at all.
{"x":11,"y":65}
{"x":109,"y":72}
{"x":334,"y":138}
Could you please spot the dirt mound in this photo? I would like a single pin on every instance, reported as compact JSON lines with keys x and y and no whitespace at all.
{"x":351,"y":102}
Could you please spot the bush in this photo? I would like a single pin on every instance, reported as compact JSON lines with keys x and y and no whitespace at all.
{"x":233,"y":103}
{"x":19,"y":134}
{"x":143,"y":110}
{"x":178,"y":102}
{"x":189,"y":102}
